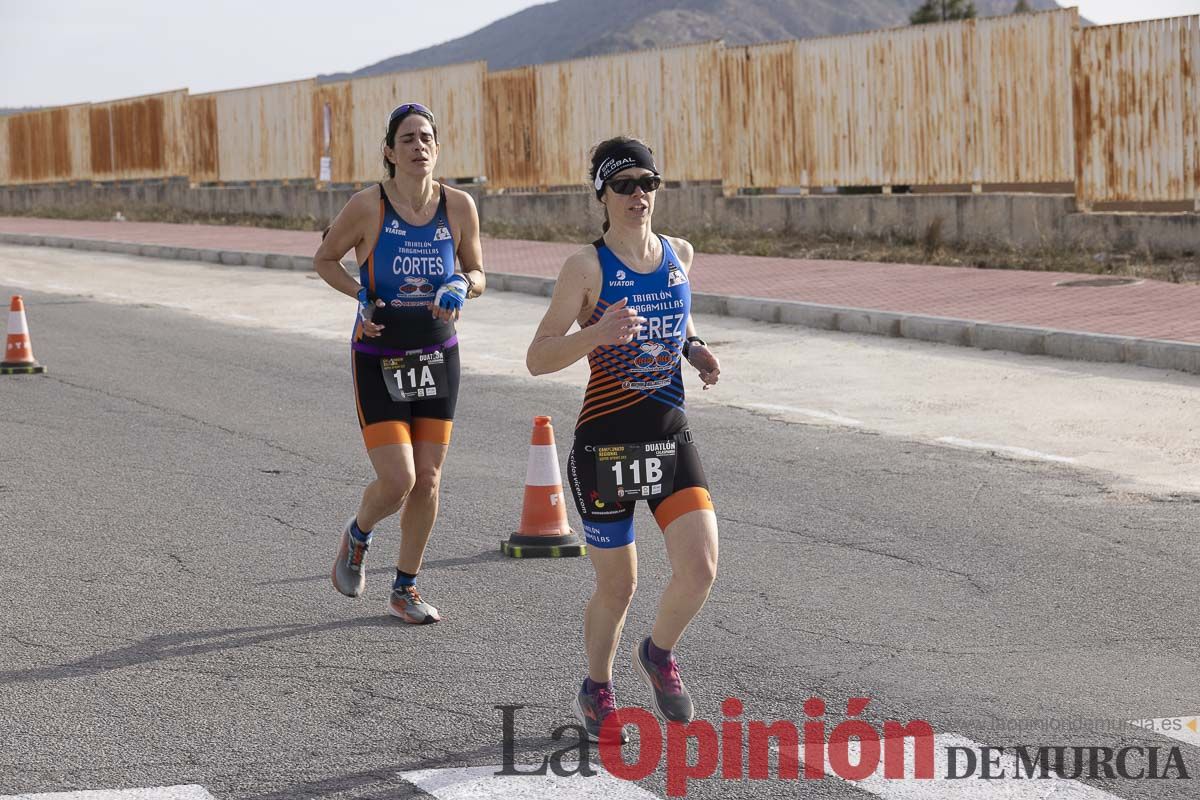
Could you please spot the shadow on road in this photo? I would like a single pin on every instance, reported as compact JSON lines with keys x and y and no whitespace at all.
{"x":183,"y":645}
{"x":478,"y":558}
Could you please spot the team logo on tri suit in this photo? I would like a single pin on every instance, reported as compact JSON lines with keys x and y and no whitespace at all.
{"x":619,"y":279}
{"x":654,"y":356}
{"x":442,"y":233}
{"x":414,"y":287}
{"x":645,"y":386}
{"x":676,"y":276}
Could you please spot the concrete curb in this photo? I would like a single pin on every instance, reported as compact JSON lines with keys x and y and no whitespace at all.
{"x":1075,"y":345}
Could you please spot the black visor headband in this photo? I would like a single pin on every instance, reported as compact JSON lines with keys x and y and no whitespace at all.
{"x":632,"y":154}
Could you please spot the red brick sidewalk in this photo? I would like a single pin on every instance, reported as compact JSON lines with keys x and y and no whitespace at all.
{"x":1150,"y":309}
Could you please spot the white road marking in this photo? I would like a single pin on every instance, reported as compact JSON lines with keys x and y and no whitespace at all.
{"x":827,"y":416}
{"x":482,"y":783}
{"x":939,"y":787}
{"x":1184,"y":729}
{"x":1018,"y":452}
{"x":185,"y":792}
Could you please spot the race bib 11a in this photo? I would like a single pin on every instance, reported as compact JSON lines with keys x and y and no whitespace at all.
{"x":417,"y":376}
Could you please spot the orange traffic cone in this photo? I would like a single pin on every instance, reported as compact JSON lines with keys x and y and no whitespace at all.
{"x":18,"y":352}
{"x":544,"y":531}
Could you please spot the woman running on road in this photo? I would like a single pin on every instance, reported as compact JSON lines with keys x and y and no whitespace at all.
{"x":408,"y":232}
{"x":629,"y":292}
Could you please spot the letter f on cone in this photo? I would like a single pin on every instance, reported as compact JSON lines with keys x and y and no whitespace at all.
{"x":18,"y":351}
{"x":544,"y":531}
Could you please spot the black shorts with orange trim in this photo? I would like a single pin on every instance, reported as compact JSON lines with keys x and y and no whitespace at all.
{"x":386,"y":421}
{"x":610,"y":524}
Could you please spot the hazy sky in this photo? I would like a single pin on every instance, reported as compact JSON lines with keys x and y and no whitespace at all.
{"x":70,"y":51}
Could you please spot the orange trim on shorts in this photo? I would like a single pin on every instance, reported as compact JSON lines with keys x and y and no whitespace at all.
{"x":685,"y":501}
{"x":380,"y":434}
{"x":428,"y":429}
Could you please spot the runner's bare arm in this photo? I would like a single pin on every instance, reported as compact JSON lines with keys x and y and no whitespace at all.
{"x":552,"y":347}
{"x":699,"y":356}
{"x":470,"y":249}
{"x":345,"y":234}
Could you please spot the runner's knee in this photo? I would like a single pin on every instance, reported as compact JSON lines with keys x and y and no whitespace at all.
{"x":427,"y":481}
{"x":699,"y":574}
{"x":616,"y":591}
{"x":396,"y":486}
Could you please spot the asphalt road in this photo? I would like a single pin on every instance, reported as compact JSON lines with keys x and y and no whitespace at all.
{"x":171,"y":494}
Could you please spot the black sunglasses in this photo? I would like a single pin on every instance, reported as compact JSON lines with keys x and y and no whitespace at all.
{"x":409,"y":108}
{"x":647,"y":183}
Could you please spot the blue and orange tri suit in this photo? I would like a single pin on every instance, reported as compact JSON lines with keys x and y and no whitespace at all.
{"x":635,"y":395}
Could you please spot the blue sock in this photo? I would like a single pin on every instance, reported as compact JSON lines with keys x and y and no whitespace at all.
{"x":358,"y":533}
{"x":591,"y":687}
{"x":656,"y":654}
{"x":403,"y":579}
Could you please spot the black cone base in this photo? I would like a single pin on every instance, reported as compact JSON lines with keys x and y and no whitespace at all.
{"x":21,"y":369}
{"x":518,"y":546}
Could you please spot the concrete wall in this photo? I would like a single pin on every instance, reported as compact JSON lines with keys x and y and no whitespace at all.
{"x":1020,"y":220}
{"x":299,"y":200}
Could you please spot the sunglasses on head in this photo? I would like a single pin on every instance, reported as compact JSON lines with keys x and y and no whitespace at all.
{"x":647,"y":183}
{"x":409,"y":108}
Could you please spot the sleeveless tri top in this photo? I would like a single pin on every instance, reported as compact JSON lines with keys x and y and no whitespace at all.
{"x":405,"y":269}
{"x":635,"y":392}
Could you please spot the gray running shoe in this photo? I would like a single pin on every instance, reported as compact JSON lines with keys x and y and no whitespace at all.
{"x":407,"y":605}
{"x":672,"y":702}
{"x":349,"y":578}
{"x":592,"y":709}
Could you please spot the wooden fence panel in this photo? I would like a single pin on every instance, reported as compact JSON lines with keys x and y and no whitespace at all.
{"x":956,"y":103}
{"x":1137,"y":112}
{"x":888,"y":108}
{"x":669,"y":98}
{"x":333,"y":130}
{"x":454,"y":94}
{"x":139,"y":138}
{"x":203,"y":140}
{"x":1023,"y":96}
{"x":511,"y":131}
{"x":264,"y":133}
{"x":759,"y":97}
{"x":48,"y":145}
{"x":79,"y":141}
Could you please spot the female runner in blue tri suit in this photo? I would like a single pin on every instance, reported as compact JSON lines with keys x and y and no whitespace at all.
{"x":409,"y":233}
{"x":630,"y":294}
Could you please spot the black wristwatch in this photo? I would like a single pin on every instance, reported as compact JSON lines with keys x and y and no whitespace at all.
{"x":687,"y":345}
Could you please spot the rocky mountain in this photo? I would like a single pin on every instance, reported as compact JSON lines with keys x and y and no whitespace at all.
{"x":569,"y":29}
